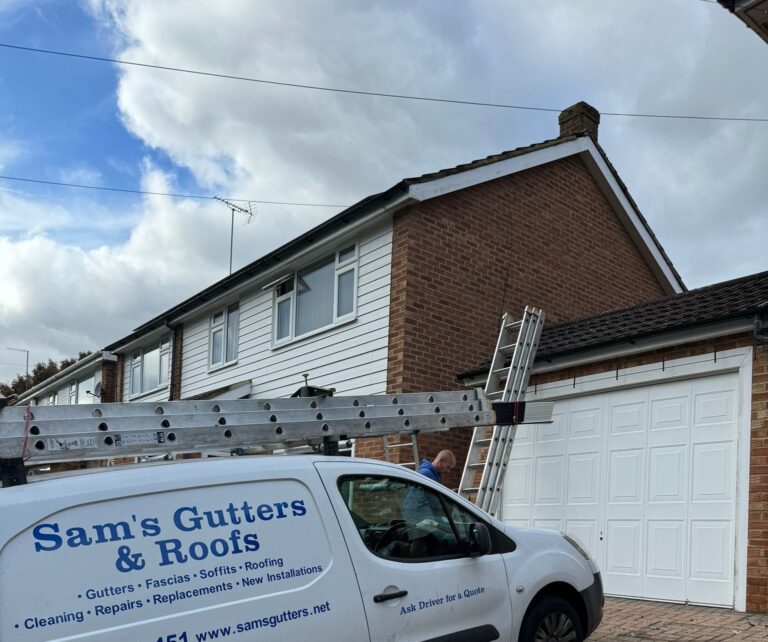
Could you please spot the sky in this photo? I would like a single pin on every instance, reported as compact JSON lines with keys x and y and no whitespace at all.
{"x":81,"y":268}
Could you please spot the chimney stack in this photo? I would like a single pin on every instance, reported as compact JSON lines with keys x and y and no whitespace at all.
{"x":579,"y":119}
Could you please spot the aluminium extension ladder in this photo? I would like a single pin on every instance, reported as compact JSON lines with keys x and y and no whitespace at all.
{"x":510,"y":370}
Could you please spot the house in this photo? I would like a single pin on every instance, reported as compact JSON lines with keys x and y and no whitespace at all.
{"x":753,"y":13}
{"x":657,"y":456}
{"x":655,"y":387}
{"x":404,"y":289}
{"x":89,"y":380}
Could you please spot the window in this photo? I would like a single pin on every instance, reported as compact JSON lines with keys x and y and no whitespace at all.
{"x":73,"y":393}
{"x":224,"y":335}
{"x":149,"y":367}
{"x":53,"y":398}
{"x":317,"y":296}
{"x":404,"y":521}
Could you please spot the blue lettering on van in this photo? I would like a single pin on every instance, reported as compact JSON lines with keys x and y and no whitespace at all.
{"x":53,"y":536}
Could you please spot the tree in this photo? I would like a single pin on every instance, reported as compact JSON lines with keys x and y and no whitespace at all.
{"x":40,"y":372}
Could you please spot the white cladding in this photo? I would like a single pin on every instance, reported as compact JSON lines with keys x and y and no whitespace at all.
{"x":351,"y":357}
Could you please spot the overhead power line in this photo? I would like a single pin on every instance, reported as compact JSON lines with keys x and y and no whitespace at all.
{"x":173,"y":195}
{"x":359,"y":92}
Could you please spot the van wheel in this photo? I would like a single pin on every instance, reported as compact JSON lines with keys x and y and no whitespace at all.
{"x":551,"y":619}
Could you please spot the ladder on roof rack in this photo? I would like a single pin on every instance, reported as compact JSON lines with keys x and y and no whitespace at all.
{"x":46,"y":434}
{"x":510,"y":370}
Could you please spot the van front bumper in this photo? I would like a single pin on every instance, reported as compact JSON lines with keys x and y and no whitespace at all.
{"x":594,"y":600}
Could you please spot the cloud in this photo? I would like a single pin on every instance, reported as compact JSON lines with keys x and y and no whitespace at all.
{"x":698,"y":183}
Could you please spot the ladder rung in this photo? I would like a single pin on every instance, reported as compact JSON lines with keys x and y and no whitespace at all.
{"x":473,"y":489}
{"x":475,"y":465}
{"x":508,"y":348}
{"x":483,"y":442}
{"x":408,"y":445}
{"x":493,"y":395}
{"x":513,"y":326}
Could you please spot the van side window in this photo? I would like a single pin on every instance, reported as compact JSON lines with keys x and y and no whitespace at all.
{"x":404,"y":521}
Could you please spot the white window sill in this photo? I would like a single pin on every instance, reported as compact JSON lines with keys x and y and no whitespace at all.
{"x":326,"y":328}
{"x":147,"y":393}
{"x":221,"y":366}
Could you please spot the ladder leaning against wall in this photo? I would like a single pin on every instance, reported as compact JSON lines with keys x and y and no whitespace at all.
{"x":510,"y":370}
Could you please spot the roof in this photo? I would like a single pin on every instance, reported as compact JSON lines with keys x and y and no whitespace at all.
{"x":356,"y":212}
{"x":744,"y":297}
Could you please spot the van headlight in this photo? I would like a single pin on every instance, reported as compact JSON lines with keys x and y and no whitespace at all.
{"x":576,"y":545}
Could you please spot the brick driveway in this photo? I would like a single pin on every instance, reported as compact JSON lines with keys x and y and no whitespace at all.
{"x":636,"y":620}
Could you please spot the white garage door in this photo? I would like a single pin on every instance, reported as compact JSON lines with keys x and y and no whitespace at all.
{"x":646,"y":479}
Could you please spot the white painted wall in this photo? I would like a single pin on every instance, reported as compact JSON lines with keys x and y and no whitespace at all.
{"x":351,"y":358}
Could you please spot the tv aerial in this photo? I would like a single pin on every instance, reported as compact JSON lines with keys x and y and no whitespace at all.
{"x":248,"y":212}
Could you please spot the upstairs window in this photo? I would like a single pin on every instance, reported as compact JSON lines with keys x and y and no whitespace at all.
{"x":318,"y":296}
{"x":53,"y":398}
{"x":149,"y":367}
{"x":225,"y":326}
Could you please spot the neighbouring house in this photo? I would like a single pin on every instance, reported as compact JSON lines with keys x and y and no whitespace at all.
{"x":657,"y":458}
{"x":753,"y":13}
{"x":87,"y":381}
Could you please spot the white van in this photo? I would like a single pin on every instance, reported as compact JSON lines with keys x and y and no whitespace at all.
{"x":279,"y":548}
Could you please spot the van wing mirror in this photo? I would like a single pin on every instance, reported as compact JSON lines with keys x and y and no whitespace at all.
{"x":479,"y":540}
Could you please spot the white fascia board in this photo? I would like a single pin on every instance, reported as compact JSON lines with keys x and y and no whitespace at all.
{"x":583,"y":146}
{"x":141,"y":341}
{"x":658,"y":342}
{"x":471,"y":177}
{"x":275,"y":274}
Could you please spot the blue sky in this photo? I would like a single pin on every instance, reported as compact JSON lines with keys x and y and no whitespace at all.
{"x":82,"y":268}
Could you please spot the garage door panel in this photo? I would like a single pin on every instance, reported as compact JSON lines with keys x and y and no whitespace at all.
{"x":584,"y":420}
{"x":549,"y":480}
{"x":670,"y":412}
{"x":665,"y":560}
{"x":625,"y":476}
{"x":551,"y":432}
{"x":667,"y":474}
{"x":714,"y":409}
{"x":623,"y":539}
{"x":665,"y":542}
{"x":627,"y":417}
{"x":581,"y":481}
{"x":713,"y":472}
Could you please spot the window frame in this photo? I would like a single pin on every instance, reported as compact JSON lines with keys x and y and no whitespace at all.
{"x":53,"y":398}
{"x":446,"y":504}
{"x":223,"y":326}
{"x":340,"y":268}
{"x":137,"y":362}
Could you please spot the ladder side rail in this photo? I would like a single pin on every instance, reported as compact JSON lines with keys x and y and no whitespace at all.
{"x":497,"y":447}
{"x":517,"y":380}
{"x":528,"y":347}
{"x":473,"y":454}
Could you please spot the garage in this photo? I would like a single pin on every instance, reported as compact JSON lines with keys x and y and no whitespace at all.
{"x":642,"y":469}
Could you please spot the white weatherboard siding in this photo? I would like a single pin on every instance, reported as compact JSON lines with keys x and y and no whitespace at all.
{"x":352,"y":358}
{"x":646,"y":478}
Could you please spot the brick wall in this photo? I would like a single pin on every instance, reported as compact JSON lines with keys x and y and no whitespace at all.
{"x":176,"y":362}
{"x":545,"y":236}
{"x":757,"y":545}
{"x":108,"y":381}
{"x":120,"y":377}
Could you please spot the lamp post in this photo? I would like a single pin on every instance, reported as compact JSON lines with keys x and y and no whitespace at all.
{"x":26,"y":372}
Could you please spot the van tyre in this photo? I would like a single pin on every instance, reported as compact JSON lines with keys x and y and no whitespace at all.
{"x":552,"y":619}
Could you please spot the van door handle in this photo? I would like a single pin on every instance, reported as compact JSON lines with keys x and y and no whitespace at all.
{"x":383,"y":597}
